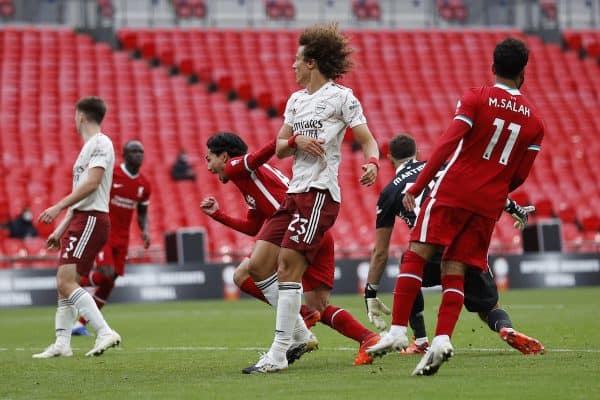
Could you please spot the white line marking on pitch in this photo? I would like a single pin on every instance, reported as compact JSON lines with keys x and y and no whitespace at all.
{"x":221,"y":348}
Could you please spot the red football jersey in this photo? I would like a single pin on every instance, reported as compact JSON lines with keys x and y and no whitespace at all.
{"x":126,"y":193}
{"x":494,"y":139}
{"x":263,"y":188}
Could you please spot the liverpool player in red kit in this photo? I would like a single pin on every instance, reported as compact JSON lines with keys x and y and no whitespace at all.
{"x":490,"y":146}
{"x":264,"y":188}
{"x":130,"y":190}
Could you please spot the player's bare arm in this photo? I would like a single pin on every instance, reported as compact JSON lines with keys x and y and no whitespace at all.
{"x":53,"y":241}
{"x":379,"y":256}
{"x":84,"y":189}
{"x":142,"y":220}
{"x":367,"y":142}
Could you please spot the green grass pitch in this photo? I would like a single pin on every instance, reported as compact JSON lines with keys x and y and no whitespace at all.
{"x":196,"y":350}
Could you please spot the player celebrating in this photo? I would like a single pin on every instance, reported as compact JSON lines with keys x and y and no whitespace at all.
{"x":481,"y":293}
{"x":315,"y":121}
{"x":86,"y":225}
{"x":495,"y":137}
{"x":264,"y":188}
{"x":130,"y":191}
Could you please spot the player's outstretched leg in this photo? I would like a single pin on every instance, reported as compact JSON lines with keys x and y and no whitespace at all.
{"x":362,"y":358}
{"x":441,"y":350}
{"x":525,"y":344}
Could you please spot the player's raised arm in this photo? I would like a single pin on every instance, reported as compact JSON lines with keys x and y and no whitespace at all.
{"x":254,"y":160}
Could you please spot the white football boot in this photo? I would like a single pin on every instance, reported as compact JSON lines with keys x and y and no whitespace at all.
{"x":54,"y":351}
{"x":301,"y":347}
{"x":388,"y":343}
{"x":266,"y":364}
{"x":104,"y":342}
{"x":440,"y":350}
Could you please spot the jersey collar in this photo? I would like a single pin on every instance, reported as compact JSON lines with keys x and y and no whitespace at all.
{"x":401,"y":166}
{"x":129,"y":174}
{"x":513,"y":91}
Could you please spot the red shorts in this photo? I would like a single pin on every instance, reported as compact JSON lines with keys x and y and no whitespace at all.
{"x":301,"y":222}
{"x":114,"y":256}
{"x":322,"y":269}
{"x":84,"y":238}
{"x":465,"y":234}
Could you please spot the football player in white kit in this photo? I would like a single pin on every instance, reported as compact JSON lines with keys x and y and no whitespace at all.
{"x":83,"y":232}
{"x":315,"y":122}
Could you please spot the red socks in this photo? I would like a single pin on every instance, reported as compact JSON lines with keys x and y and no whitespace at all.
{"x":452,"y":301}
{"x":408,"y":285}
{"x":249,"y":287}
{"x":343,"y":322}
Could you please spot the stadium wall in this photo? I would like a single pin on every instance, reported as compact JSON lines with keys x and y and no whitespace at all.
{"x":156,"y":282}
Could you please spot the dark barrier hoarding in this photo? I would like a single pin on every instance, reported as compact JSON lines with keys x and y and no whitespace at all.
{"x":152,"y":282}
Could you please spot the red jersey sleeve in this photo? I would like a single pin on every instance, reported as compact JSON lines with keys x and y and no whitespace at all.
{"x":250,"y":225}
{"x":244,"y":165}
{"x":459,"y":127}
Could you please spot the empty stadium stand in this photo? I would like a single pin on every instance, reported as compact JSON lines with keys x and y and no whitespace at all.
{"x":408,"y":81}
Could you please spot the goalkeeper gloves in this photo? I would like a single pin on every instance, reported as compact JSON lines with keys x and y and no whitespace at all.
{"x":519,"y":213}
{"x":375,"y":307}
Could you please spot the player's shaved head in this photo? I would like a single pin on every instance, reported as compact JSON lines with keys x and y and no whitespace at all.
{"x":403,"y":146}
{"x":227,"y":142}
{"x":133,"y":154}
{"x":133,"y":145}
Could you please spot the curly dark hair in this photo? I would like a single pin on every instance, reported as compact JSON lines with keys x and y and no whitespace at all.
{"x":227,"y":142}
{"x":510,"y":57}
{"x":403,"y":146}
{"x":325,"y":44}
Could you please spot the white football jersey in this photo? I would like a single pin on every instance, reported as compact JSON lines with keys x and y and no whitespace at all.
{"x":96,"y":152}
{"x":325,"y":115}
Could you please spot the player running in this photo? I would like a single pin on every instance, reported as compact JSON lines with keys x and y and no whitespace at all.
{"x":481,"y":293}
{"x":264,"y":188}
{"x":130,"y":191}
{"x":490,"y":147}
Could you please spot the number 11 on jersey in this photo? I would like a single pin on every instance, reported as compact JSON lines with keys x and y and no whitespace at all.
{"x":514,"y":132}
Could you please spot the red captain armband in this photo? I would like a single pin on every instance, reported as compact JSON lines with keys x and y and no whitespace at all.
{"x":374,"y":161}
{"x":292,"y":140}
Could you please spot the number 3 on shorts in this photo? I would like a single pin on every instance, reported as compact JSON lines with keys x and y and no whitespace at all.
{"x":70,"y":246}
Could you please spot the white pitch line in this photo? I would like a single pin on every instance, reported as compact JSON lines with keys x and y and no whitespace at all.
{"x":221,"y":348}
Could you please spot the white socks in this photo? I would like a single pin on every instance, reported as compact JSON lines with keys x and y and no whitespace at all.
{"x":88,"y":309}
{"x":63,"y":322}
{"x":269,"y":289}
{"x":288,"y":308}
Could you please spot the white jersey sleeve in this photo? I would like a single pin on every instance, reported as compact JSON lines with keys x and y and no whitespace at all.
{"x":324,"y":114}
{"x":352,"y":112}
{"x":96,"y":152}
